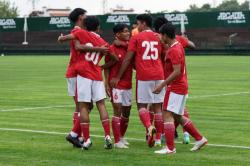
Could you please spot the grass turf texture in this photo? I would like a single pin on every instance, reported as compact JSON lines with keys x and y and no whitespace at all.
{"x":39,"y":82}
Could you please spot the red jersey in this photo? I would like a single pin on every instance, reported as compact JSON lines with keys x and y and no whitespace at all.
{"x":74,"y":54}
{"x":126,"y":80}
{"x":88,"y":63}
{"x":176,"y":55}
{"x":147,"y":48}
{"x":182,"y":40}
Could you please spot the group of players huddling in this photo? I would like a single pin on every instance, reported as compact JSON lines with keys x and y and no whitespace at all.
{"x":158,"y":57}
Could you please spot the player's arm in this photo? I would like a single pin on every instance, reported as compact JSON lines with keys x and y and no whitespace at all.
{"x":120,"y":43}
{"x":171,"y":77}
{"x":127,"y":60}
{"x":64,"y":38}
{"x":84,"y":48}
{"x":109,"y":64}
{"x":191,"y":45}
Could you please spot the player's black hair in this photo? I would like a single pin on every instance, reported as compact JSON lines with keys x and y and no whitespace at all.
{"x":145,"y":18}
{"x":169,"y":30}
{"x":91,"y":23}
{"x":73,"y":16}
{"x":158,"y":22}
{"x":119,"y":28}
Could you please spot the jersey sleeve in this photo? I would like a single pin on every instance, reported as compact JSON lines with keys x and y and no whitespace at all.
{"x":132,"y":45}
{"x":182,"y":40}
{"x":78,"y":34}
{"x":175,"y":57}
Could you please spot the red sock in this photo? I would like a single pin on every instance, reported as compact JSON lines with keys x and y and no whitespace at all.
{"x":77,"y":127}
{"x":124,"y":125}
{"x":152,"y":116}
{"x":116,"y":128}
{"x":145,"y":117}
{"x":85,"y":130}
{"x":186,"y":114}
{"x":169,"y":130}
{"x":106,"y":127}
{"x":190,"y":128}
{"x":75,"y":116}
{"x":158,"y":125}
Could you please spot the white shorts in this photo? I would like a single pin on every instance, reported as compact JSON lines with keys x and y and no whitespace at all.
{"x":175,"y":103}
{"x":89,"y":90}
{"x":71,"y":86}
{"x":145,"y":92}
{"x":122,"y":96}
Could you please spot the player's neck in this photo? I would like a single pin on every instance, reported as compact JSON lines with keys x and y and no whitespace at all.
{"x":79,"y":25}
{"x":172,"y":42}
{"x":146,"y":29}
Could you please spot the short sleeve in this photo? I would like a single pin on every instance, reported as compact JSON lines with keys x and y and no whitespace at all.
{"x":78,"y":34}
{"x":182,"y":40}
{"x":132,"y":45}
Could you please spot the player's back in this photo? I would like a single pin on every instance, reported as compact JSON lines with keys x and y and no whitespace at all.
{"x":148,"y":49}
{"x":87,"y":65}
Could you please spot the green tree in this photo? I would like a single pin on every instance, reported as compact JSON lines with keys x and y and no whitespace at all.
{"x":230,"y":5}
{"x":7,"y":10}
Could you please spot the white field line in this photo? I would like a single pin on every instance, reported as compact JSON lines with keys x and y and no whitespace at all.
{"x":36,"y":108}
{"x":99,"y":136}
{"x":219,"y":95}
{"x":67,"y":106}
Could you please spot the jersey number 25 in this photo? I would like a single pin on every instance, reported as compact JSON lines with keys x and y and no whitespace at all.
{"x":151,"y":51}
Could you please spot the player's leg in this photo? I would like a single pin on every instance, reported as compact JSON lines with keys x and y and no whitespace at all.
{"x":116,"y":119}
{"x":157,"y":106}
{"x":75,"y":132}
{"x":193,"y":131}
{"x":186,"y":139}
{"x":158,"y":122}
{"x":98,"y":96}
{"x":151,"y":112}
{"x":124,"y":123}
{"x":125,"y":113}
{"x":173,"y":108}
{"x":84,"y":117}
{"x":84,"y":99}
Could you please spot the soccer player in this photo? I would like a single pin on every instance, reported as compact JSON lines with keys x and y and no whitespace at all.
{"x":121,"y":95}
{"x":186,"y":43}
{"x":146,"y":49}
{"x":90,"y":86}
{"x":176,"y":94}
{"x":76,"y":16}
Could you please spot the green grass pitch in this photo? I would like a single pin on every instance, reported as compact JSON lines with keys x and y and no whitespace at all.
{"x":219,"y":105}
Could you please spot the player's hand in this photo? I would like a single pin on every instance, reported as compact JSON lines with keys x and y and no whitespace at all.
{"x":105,"y":50}
{"x":158,"y":89}
{"x":108,"y":89}
{"x":60,"y":38}
{"x":114,"y":82}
